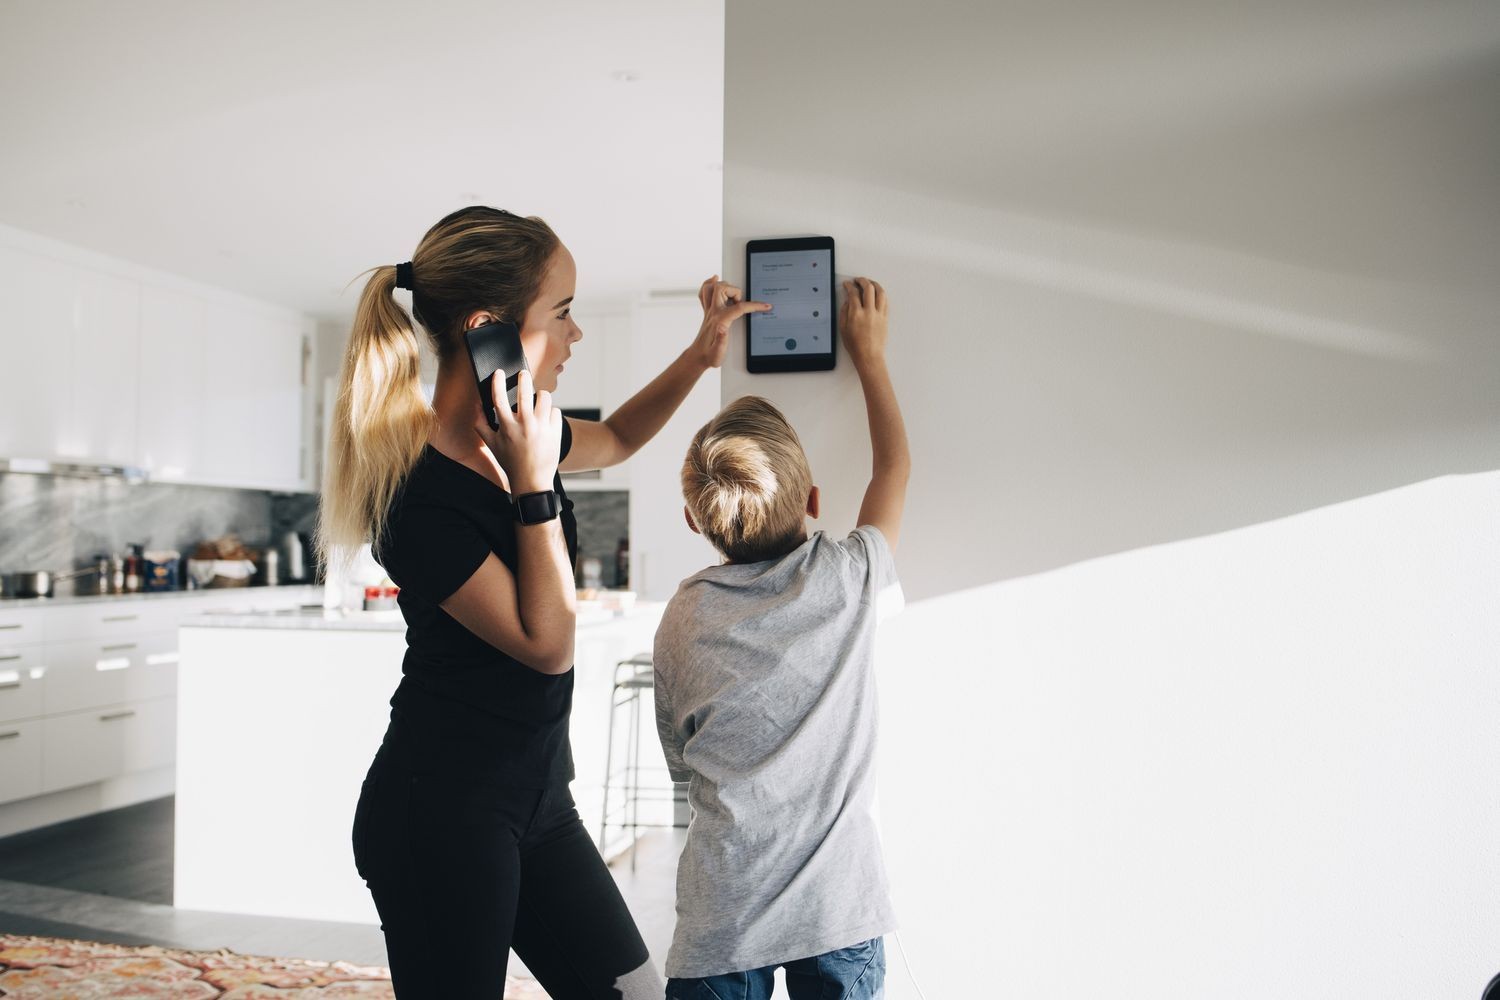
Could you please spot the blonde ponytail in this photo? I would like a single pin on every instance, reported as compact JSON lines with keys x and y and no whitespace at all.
{"x":475,"y":259}
{"x":380,"y":423}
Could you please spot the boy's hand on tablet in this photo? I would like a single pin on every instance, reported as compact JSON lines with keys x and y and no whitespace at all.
{"x":722,"y":305}
{"x":862,"y":327}
{"x":862,"y":321}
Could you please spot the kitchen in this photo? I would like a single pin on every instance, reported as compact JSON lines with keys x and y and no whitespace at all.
{"x":1193,"y":328}
{"x":165,"y":439}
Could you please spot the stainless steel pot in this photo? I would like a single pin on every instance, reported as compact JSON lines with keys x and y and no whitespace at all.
{"x":39,"y":583}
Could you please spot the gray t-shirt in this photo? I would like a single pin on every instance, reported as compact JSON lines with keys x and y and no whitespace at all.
{"x":765,"y":704}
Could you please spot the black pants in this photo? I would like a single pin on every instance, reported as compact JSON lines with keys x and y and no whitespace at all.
{"x":463,"y":869}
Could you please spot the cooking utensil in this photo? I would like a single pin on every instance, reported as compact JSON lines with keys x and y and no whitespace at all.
{"x":39,"y":583}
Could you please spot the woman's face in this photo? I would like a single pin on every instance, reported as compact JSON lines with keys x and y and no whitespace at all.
{"x":548,"y":332}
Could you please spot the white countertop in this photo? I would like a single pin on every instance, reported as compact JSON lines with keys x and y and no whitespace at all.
{"x":292,"y":591}
{"x":590,"y":614}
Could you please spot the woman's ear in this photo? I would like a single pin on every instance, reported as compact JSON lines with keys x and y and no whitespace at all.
{"x":812,"y":503}
{"x":481,"y":317}
{"x":689,"y":516}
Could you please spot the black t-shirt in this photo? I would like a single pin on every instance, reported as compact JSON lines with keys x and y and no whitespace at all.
{"x":462,"y":701}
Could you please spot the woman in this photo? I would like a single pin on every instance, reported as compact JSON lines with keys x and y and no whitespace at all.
{"x":465,"y":831}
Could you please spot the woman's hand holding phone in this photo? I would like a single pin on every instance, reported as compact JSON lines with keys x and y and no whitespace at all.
{"x":528,"y":441}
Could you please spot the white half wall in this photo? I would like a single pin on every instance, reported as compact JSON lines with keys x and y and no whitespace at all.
{"x":1256,"y":764}
{"x":1190,"y":336}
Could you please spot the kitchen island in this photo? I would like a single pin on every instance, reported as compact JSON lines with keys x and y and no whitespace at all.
{"x":279,"y":715}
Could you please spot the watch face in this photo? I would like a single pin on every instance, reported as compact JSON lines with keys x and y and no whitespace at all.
{"x":533,"y":508}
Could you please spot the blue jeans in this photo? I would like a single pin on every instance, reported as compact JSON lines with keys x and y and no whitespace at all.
{"x":856,"y":973}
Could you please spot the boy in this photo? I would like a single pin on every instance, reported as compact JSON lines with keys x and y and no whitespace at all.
{"x":765,"y":702}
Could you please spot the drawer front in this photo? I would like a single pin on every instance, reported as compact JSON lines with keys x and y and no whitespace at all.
{"x":20,"y":626}
{"x":84,"y":747}
{"x":156,"y":674}
{"x":109,"y":671}
{"x":112,"y":620}
{"x":20,"y":760}
{"x":22,"y":675}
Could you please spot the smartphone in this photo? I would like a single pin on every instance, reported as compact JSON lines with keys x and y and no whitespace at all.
{"x":495,"y":347}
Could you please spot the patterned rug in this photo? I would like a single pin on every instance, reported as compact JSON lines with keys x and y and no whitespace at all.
{"x":38,"y":968}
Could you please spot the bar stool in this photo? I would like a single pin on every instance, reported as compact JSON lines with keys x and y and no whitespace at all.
{"x":633,"y":678}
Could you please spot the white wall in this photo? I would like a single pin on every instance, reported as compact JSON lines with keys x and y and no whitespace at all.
{"x":663,"y":550}
{"x":1144,"y":294}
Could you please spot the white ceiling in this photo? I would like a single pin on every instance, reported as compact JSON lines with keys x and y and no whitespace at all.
{"x":280,"y":148}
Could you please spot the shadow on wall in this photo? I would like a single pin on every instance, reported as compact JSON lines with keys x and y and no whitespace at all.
{"x":1073,"y":393}
{"x":1249,"y":765}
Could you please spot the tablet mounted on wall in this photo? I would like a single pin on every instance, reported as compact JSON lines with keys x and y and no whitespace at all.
{"x":799,"y":333}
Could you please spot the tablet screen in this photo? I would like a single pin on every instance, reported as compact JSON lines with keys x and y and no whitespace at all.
{"x":798,"y":284}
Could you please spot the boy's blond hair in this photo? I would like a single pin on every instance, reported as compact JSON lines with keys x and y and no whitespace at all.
{"x":746,"y":482}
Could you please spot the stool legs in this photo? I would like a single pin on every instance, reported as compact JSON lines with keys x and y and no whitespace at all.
{"x":609,"y":763}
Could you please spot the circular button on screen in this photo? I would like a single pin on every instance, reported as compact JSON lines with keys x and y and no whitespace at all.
{"x":791,"y":344}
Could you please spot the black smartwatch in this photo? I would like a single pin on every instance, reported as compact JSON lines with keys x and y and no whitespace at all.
{"x":537,"y":508}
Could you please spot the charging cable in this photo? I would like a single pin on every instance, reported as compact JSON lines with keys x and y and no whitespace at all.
{"x":907,"y":962}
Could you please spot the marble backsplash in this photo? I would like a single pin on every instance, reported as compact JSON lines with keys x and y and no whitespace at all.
{"x":56,"y":522}
{"x":603,"y":519}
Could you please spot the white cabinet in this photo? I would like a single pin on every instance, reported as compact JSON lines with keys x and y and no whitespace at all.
{"x":35,"y":378}
{"x":69,"y":378}
{"x":100,"y":424}
{"x":105,"y":367}
{"x":23,"y":669}
{"x":221,"y":394}
{"x":600,"y":377}
{"x":87,"y":690}
{"x":250,"y":426}
{"x":582,"y":382}
{"x":91,"y":673}
{"x":22,"y":675}
{"x":19,"y":626}
{"x":20,"y":760}
{"x":85,"y":747}
{"x":175,"y":327}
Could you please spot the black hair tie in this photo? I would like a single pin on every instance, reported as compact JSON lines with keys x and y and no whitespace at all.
{"x":403,"y":276}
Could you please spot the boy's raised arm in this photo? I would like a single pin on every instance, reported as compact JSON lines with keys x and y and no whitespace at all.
{"x":862,"y":327}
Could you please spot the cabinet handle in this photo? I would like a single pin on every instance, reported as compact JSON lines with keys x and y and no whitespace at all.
{"x":121,"y":618}
{"x":12,"y":656}
{"x":110,"y":717}
{"x":117,"y":646}
{"x":10,"y":735}
{"x":9,"y":626}
{"x":9,"y":685}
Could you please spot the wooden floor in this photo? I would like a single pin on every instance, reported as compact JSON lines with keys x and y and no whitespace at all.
{"x":108,"y":877}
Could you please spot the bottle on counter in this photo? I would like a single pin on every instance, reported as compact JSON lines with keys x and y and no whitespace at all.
{"x":591,"y":573}
{"x":134,"y":568}
{"x":622,"y":564}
